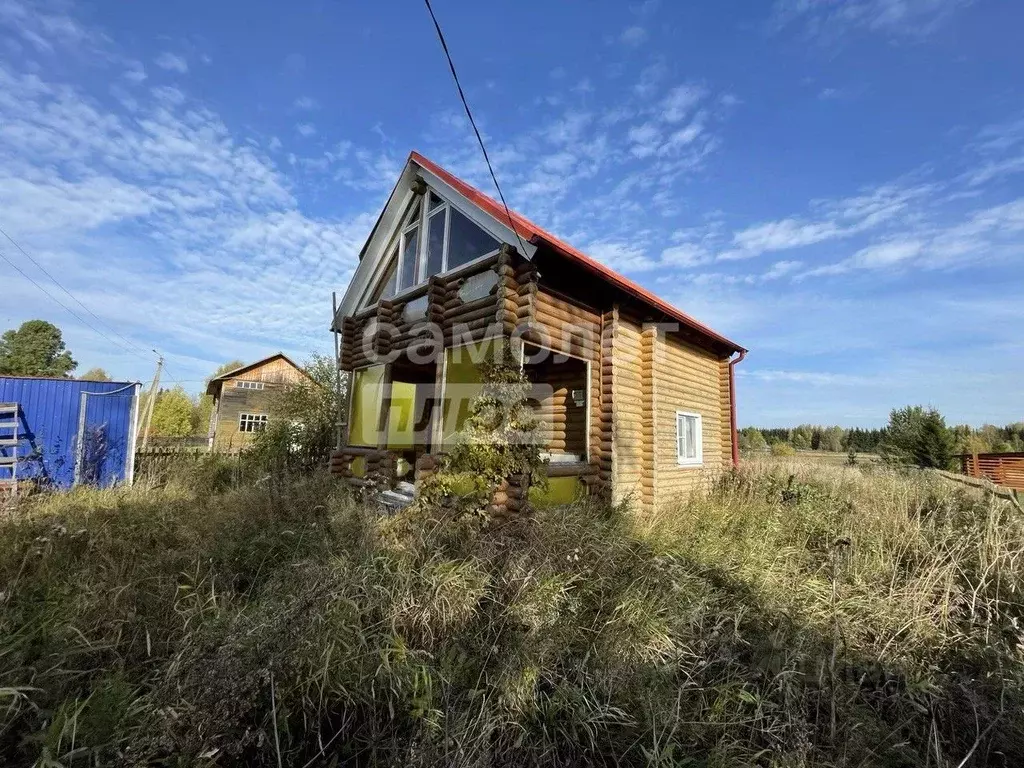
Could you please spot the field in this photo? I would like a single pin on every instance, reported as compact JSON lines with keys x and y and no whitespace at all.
{"x":796,"y":614}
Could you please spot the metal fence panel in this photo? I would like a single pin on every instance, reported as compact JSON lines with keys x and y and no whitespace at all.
{"x":51,"y":416}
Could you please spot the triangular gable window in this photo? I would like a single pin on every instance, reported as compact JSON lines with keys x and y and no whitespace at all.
{"x":434,"y":239}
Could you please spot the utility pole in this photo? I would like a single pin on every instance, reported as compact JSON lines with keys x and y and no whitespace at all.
{"x":152,"y":401}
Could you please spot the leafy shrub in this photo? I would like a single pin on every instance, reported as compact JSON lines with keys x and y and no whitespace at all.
{"x":301,"y":432}
{"x":783,"y":449}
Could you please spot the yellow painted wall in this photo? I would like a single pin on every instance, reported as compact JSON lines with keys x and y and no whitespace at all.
{"x":462,"y":384}
{"x":560,"y":490}
{"x":367,"y":389}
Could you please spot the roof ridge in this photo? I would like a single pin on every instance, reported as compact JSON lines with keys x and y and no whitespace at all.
{"x":533,"y":232}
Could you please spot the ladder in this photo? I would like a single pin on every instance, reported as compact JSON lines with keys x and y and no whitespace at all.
{"x":9,"y":439}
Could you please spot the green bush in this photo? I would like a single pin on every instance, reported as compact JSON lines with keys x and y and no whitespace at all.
{"x":301,"y":432}
{"x":792,"y":616}
{"x":918,"y":436}
{"x":783,"y":449}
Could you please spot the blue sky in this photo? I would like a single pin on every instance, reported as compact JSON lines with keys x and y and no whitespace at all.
{"x":837,"y":186}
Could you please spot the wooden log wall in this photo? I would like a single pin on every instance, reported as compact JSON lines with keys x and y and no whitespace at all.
{"x":557,"y":323}
{"x":389,"y":329}
{"x":563,"y":423}
{"x":725,"y":412}
{"x":628,"y":384}
{"x":688,"y":378}
{"x":516,"y":305}
{"x":649,"y":424}
{"x":511,"y":500}
{"x":603,"y":431}
{"x":380,"y":465}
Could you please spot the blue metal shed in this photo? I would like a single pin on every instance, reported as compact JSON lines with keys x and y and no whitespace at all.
{"x":68,"y":431}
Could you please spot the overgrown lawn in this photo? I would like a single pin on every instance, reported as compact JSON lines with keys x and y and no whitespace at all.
{"x":795,"y":615}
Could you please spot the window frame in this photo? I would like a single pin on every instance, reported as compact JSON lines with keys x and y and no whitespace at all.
{"x":521,"y":351}
{"x":249,"y":384}
{"x":257,"y":420}
{"x":698,"y":459}
{"x":421,"y":224}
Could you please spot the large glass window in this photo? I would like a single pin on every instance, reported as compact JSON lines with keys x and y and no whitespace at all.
{"x":466,"y":241}
{"x":435,"y":238}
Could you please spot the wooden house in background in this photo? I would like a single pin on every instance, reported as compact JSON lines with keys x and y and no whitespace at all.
{"x":636,"y":397}
{"x":242,"y":400}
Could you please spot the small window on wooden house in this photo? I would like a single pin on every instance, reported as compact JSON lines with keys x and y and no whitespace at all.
{"x":240,"y":384}
{"x":689,"y":449}
{"x":252,"y":422}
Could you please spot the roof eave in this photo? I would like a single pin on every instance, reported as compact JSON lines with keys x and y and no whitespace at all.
{"x":637,"y":292}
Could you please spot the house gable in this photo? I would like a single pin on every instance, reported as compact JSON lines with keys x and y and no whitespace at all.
{"x":428,"y":227}
{"x":277,"y":368}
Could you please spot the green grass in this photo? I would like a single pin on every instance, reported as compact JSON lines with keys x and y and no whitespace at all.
{"x":797,"y":615}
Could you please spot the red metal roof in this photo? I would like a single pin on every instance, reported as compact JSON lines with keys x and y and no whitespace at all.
{"x":536,"y":235}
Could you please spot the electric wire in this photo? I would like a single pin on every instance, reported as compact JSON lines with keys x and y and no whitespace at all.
{"x":472,"y":122}
{"x":65,"y":306}
{"x":57,"y":282}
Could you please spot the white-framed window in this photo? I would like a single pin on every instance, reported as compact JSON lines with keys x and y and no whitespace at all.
{"x":689,"y":442}
{"x":435,"y":237}
{"x":252,"y":422}
{"x":248,"y":384}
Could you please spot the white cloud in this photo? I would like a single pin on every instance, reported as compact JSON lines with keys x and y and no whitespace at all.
{"x":172,"y":62}
{"x":306,"y":103}
{"x":633,"y":36}
{"x":827,"y":20}
{"x":165,"y":195}
{"x":645,"y":139}
{"x":623,"y":257}
{"x":781,"y":269}
{"x":840,"y":219}
{"x":685,"y":255}
{"x":680,"y":101}
{"x":135,"y":72}
{"x":306,"y":129}
{"x":814,"y":378}
{"x":989,"y":234}
{"x":998,"y":151}
{"x":45,"y":27}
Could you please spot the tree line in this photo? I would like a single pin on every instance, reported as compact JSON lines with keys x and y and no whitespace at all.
{"x":914,"y":435}
{"x":988,"y":438}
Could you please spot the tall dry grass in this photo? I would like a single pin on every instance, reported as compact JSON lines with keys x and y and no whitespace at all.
{"x":796,"y":615}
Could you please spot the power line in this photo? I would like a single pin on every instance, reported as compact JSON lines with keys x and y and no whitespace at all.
{"x":56,"y":282}
{"x":62,"y":304}
{"x":472,"y":122}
